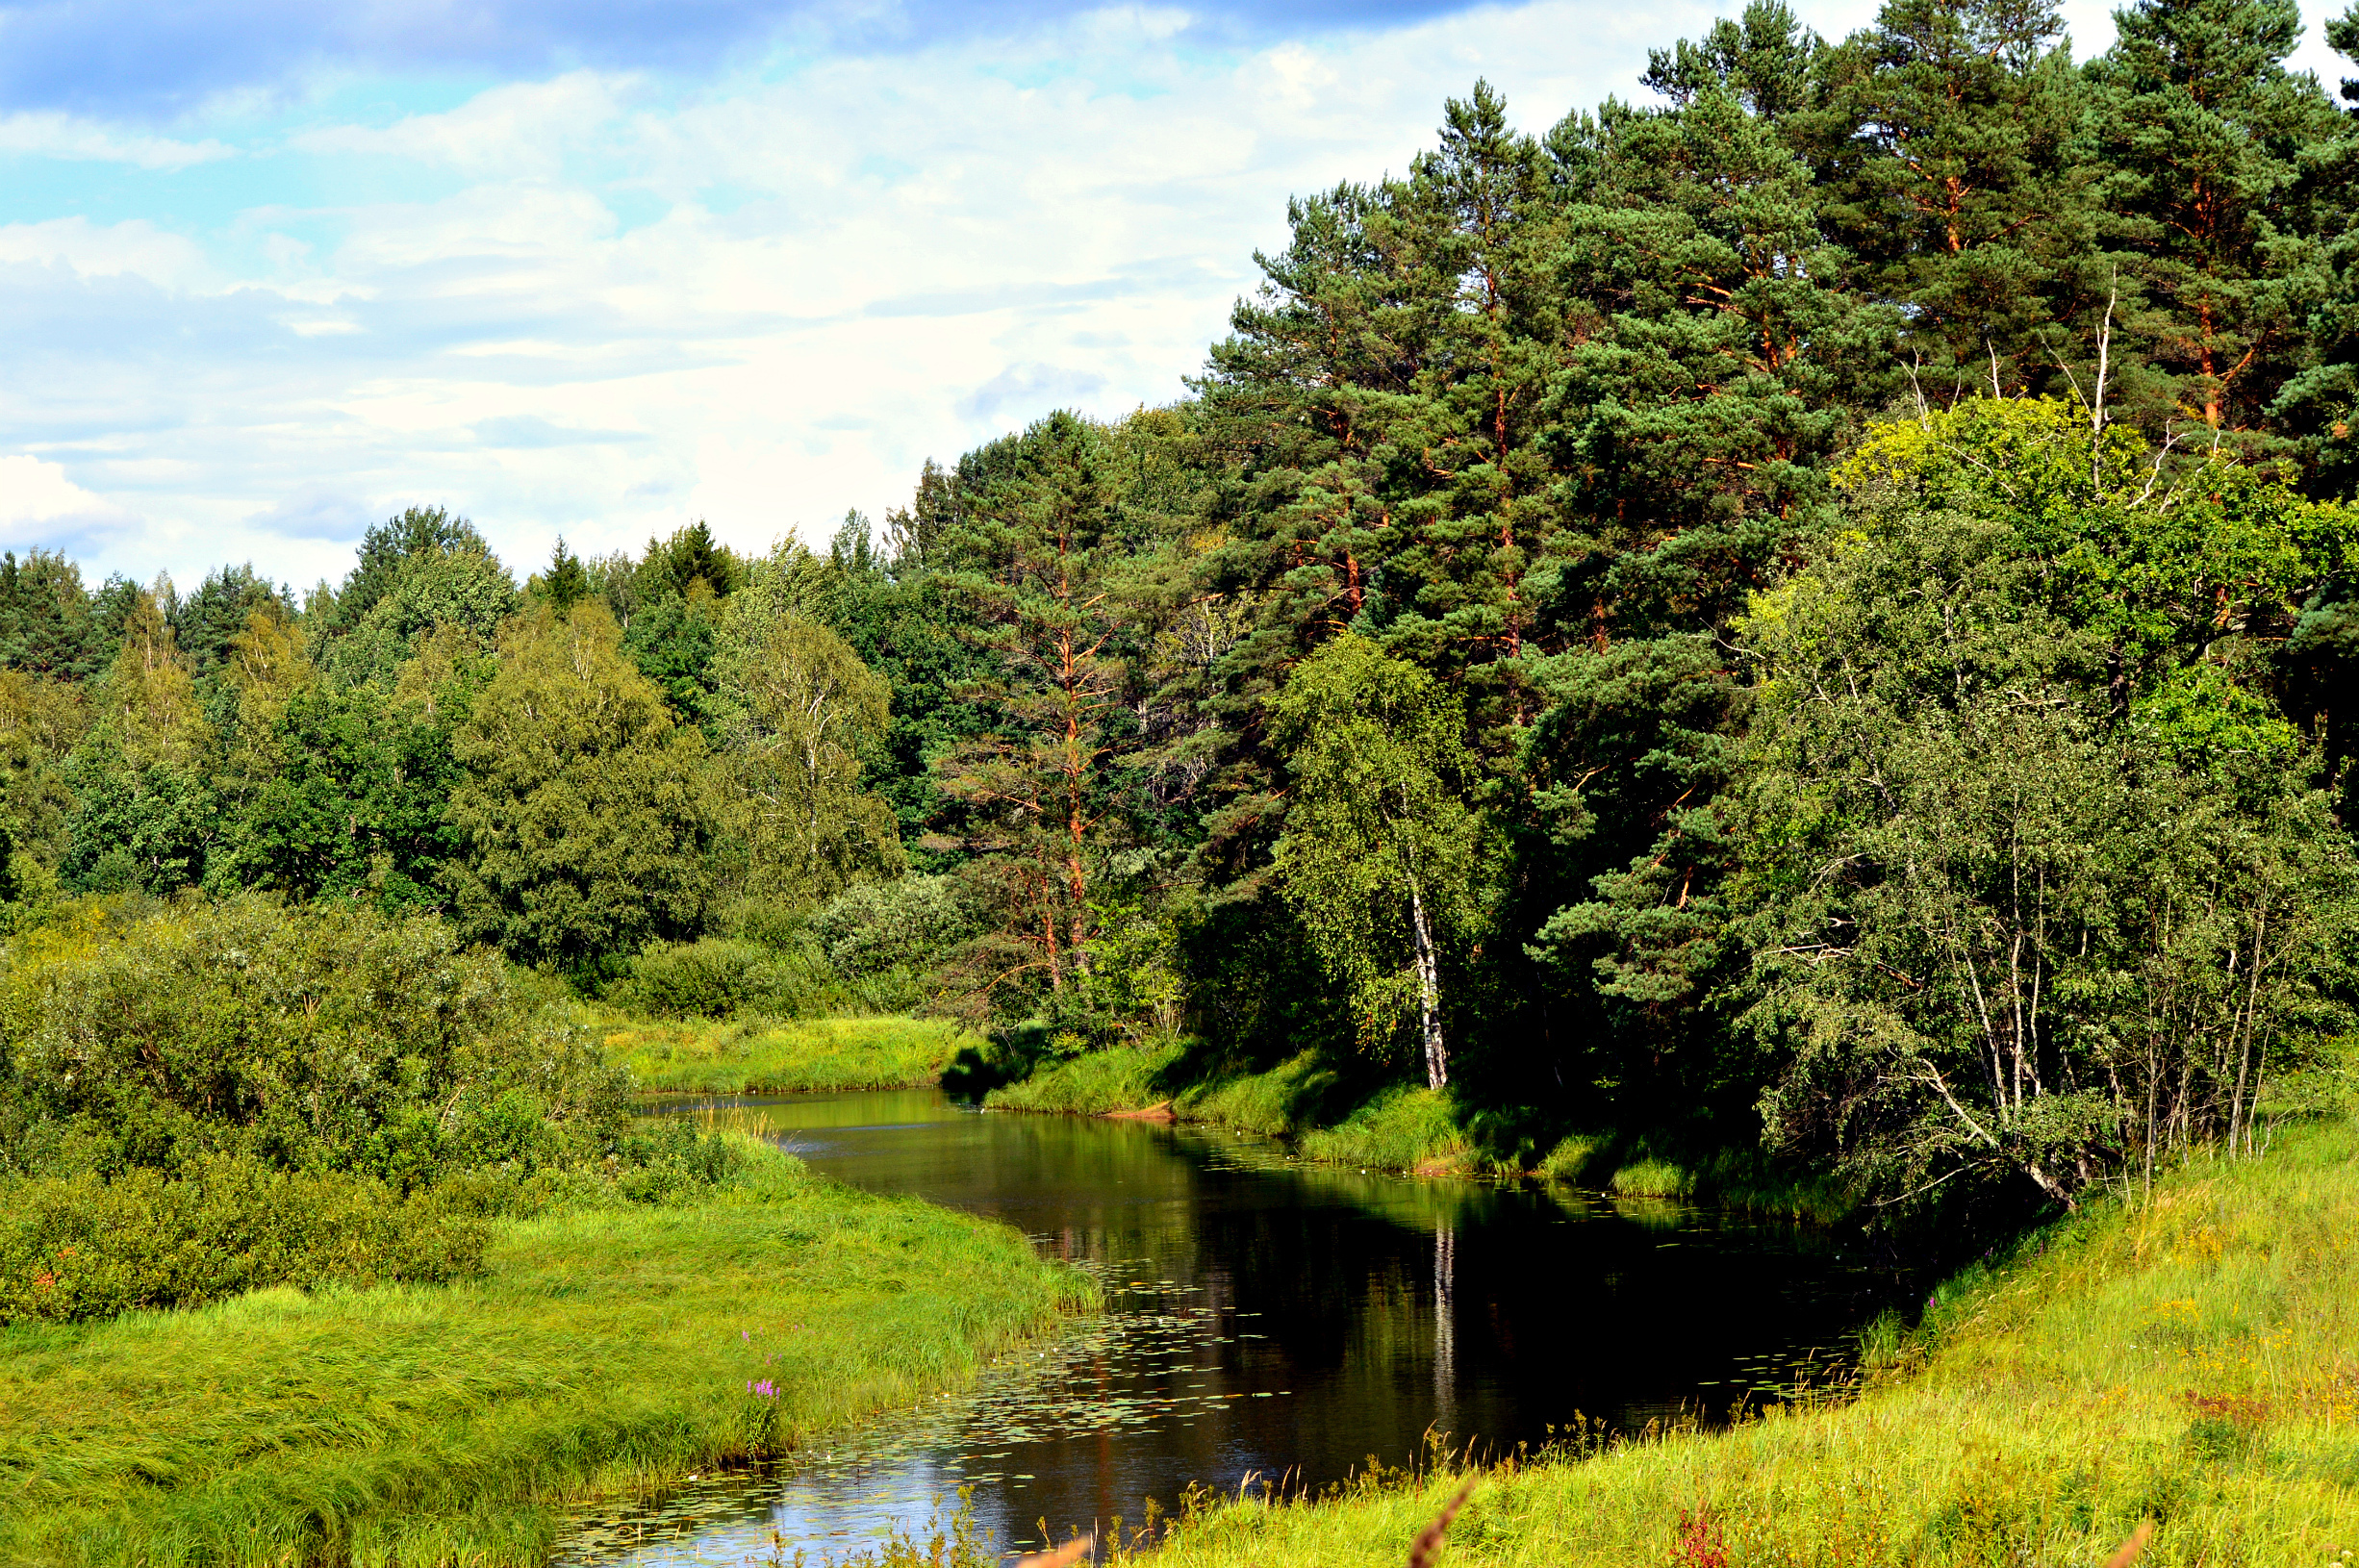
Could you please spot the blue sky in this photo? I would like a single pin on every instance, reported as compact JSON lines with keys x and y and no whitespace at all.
{"x":271,"y":271}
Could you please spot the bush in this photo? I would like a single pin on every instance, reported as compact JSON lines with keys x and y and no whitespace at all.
{"x":710,"y":978}
{"x":727,"y":976}
{"x":908,"y":925}
{"x":324,"y":1038}
{"x":80,"y":1247}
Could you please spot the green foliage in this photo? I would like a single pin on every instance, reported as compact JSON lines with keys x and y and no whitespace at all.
{"x":50,"y":624}
{"x":1382,"y":855}
{"x":1037,"y":556}
{"x":328,"y":1040}
{"x":761,"y":1055}
{"x":712,"y":978}
{"x":584,"y":811}
{"x":1999,"y":929}
{"x":908,"y":924}
{"x":463,"y":587}
{"x":80,"y":1247}
{"x":385,"y":549}
{"x":799,"y":714}
{"x":205,"y":621}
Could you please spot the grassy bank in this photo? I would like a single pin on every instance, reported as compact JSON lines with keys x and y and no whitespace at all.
{"x":605,"y":1349}
{"x":762,"y":1056}
{"x":1404,"y":1128}
{"x":2193,"y":1358}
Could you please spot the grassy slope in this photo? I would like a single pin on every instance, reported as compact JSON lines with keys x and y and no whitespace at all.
{"x":605,"y":1349}
{"x":1402,"y":1128}
{"x":759,"y":1057}
{"x":2193,"y":1359}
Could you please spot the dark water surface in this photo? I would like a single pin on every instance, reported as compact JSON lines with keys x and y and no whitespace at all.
{"x":1265,"y":1318}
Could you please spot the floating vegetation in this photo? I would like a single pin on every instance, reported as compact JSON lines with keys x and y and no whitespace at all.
{"x":1142,"y":1364}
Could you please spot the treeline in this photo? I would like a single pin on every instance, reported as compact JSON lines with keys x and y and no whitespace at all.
{"x":1828,"y":598}
{"x":612,"y":754}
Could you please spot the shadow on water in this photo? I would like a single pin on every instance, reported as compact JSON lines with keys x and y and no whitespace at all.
{"x":1265,"y":1318}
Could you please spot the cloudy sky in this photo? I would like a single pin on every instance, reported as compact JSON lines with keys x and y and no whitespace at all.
{"x":272,"y":269}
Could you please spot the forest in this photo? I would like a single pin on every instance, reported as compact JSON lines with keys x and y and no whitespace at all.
{"x":1819,"y":610}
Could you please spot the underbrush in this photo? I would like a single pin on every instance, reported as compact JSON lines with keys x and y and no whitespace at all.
{"x":2185,"y":1357}
{"x":757,"y":1055}
{"x":608,"y":1346}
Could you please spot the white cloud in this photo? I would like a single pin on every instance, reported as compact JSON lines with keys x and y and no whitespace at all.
{"x":525,"y":126}
{"x":34,"y":493}
{"x":52,"y":134}
{"x":134,"y":248}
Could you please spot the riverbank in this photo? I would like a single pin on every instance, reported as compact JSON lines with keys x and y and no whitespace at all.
{"x":606,"y":1350}
{"x":761,"y":1056}
{"x":2186,"y":1357}
{"x":1406,"y":1128}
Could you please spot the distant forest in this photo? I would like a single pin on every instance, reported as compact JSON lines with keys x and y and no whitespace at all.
{"x":1827,"y":601}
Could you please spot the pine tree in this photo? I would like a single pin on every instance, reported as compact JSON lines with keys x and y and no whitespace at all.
{"x":1945,"y":141}
{"x":1038,"y":562}
{"x":2204,"y":128}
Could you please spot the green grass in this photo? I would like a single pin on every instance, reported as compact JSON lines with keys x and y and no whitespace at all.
{"x":1118,"y":1078}
{"x":2193,"y":1358}
{"x":1401,"y":1130}
{"x":606,"y":1350}
{"x":762,"y":1056}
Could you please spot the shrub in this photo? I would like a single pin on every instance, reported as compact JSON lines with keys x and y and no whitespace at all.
{"x":73,"y":1247}
{"x":323,"y":1038}
{"x":725,"y":977}
{"x":909,"y":923}
{"x":713,"y":977}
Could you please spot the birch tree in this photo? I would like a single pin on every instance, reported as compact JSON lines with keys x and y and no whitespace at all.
{"x":1382,"y":852}
{"x":798,"y":710}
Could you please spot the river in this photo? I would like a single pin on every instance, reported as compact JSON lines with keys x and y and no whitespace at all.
{"x":1266,"y":1320}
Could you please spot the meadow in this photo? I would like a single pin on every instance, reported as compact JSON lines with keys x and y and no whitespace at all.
{"x":606,"y":1350}
{"x":2189,"y":1356}
{"x":757,"y":1055}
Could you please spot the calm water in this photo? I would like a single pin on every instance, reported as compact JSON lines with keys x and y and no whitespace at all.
{"x":1265,"y":1319}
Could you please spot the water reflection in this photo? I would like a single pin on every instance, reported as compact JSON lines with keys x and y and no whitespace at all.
{"x":1265,"y":1318}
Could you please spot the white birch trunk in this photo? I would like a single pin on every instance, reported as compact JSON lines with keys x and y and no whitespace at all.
{"x":1429,"y":994}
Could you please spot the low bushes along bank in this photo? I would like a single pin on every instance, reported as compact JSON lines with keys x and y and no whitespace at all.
{"x":76,"y":1248}
{"x":1403,"y":1127}
{"x":608,"y":1346}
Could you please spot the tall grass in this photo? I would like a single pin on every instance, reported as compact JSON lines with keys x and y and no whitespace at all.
{"x":1400,"y":1129}
{"x":765,"y":1056}
{"x":1118,"y":1079}
{"x":2191,"y":1359}
{"x":606,"y":1349}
